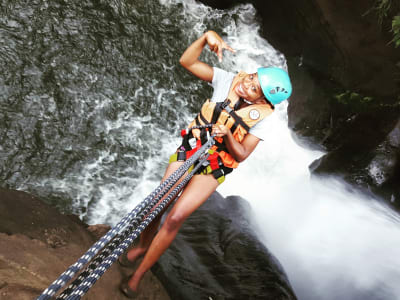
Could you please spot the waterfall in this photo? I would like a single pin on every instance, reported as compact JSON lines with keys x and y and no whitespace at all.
{"x":93,"y":100}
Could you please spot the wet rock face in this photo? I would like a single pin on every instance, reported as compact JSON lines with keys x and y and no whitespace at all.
{"x":371,"y":159}
{"x":216,"y":255}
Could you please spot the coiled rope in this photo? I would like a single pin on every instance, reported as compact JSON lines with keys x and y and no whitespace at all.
{"x":162,"y":189}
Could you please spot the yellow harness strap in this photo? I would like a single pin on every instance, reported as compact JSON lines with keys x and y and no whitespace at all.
{"x":207,"y":170}
{"x":174,"y":158}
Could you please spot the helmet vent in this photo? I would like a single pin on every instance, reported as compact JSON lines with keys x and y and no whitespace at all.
{"x":272,"y":91}
{"x":281,"y":89}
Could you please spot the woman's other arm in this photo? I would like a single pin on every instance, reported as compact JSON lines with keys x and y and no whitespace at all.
{"x":239,"y":151}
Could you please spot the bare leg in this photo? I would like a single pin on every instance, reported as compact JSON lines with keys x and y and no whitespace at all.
{"x":148,"y":234}
{"x":145,"y":240}
{"x":195,"y":194}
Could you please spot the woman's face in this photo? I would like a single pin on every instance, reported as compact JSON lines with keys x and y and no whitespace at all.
{"x":249,"y":88}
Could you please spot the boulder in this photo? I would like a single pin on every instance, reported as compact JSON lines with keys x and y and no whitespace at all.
{"x":217,"y":255}
{"x":369,"y":156}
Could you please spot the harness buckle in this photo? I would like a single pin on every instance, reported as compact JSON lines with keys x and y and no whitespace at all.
{"x":181,"y":156}
{"x":228,"y":109}
{"x":192,"y":143}
{"x":225,"y":103}
{"x":205,"y":163}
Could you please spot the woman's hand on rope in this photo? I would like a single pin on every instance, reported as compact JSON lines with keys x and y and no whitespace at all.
{"x":217,"y":44}
{"x":220,"y":130}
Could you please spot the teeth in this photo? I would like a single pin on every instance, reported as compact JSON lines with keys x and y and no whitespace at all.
{"x":241,"y":89}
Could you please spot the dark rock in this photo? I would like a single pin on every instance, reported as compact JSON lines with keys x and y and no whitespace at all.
{"x":37,"y":244}
{"x":341,"y":41}
{"x":369,"y":155}
{"x":387,"y":163}
{"x":217,"y":255}
{"x":21,"y":213}
{"x":311,"y":109}
{"x":2,"y":284}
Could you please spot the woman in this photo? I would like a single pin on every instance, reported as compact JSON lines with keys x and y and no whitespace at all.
{"x":239,"y":126}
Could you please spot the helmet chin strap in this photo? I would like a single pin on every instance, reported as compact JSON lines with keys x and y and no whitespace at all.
{"x":255,"y":102}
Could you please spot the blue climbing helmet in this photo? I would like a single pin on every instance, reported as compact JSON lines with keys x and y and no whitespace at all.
{"x":275,"y":84}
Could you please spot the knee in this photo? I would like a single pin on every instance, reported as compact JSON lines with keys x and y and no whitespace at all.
{"x":174,"y":222}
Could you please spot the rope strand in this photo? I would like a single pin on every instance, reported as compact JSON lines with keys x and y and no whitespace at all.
{"x":103,"y":241}
{"x":100,"y":270}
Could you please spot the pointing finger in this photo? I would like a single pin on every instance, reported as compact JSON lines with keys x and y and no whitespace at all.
{"x":219,"y":53}
{"x":229,"y":48}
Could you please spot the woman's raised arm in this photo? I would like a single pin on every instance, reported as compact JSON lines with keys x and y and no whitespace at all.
{"x":190,"y":58}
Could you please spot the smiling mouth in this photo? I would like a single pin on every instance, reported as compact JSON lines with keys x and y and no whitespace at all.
{"x":241,"y":91}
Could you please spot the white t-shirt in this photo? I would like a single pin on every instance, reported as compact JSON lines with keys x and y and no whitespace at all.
{"x":221,"y":83}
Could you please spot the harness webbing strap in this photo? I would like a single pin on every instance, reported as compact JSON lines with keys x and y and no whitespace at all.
{"x":217,"y":111}
{"x":218,"y":174}
{"x":238,"y":103}
{"x":238,"y":121}
{"x":221,"y":146}
{"x":180,"y":156}
{"x":214,"y":161}
{"x":202,"y":118}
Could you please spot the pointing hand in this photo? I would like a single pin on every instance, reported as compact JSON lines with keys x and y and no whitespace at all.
{"x":217,"y":44}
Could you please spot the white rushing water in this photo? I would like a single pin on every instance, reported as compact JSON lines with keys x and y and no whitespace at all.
{"x":333,"y":243}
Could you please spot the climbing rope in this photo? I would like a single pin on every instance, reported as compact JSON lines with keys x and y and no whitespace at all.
{"x":100,"y":270}
{"x":113,"y":244}
{"x":162,"y":189}
{"x":104,"y":254}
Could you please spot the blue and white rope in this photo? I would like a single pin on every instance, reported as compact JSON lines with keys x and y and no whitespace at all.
{"x":100,"y":270}
{"x":84,"y":259}
{"x":103,"y":255}
{"x":111,"y":246}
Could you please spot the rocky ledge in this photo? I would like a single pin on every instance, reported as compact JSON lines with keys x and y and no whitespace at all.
{"x":37,"y":244}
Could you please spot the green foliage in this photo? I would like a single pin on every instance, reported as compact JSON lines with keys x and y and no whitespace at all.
{"x":382,"y":9}
{"x":396,"y":31}
{"x":353,"y":99}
